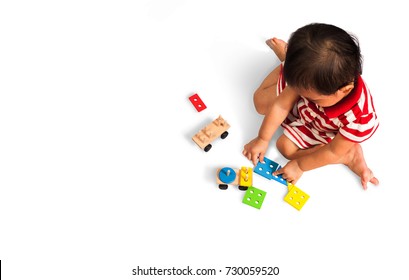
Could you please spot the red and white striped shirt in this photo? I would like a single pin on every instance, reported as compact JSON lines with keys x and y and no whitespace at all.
{"x":354,"y":117}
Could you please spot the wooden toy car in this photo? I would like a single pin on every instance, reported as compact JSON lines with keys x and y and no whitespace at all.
{"x":242,"y":178}
{"x":208,"y":134}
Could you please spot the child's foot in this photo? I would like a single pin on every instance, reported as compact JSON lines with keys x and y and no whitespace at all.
{"x":278,"y":46}
{"x":356,"y":162}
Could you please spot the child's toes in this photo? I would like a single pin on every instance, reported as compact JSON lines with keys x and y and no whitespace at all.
{"x":368,"y":177}
{"x":271,"y":43}
{"x":374,"y":181}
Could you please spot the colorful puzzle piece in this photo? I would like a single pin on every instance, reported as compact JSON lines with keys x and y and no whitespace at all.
{"x":267,"y":168}
{"x":246,"y":176}
{"x":279,"y":178}
{"x":254,"y":197}
{"x":296,"y":197}
{"x":197,"y":102}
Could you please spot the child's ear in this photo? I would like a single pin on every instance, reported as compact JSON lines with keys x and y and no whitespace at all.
{"x":345,"y":90}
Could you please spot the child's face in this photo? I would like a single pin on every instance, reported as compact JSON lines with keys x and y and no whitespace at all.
{"x":321,"y":99}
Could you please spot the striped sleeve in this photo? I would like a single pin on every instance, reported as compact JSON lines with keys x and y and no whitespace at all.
{"x":361,"y":128}
{"x":361,"y":121}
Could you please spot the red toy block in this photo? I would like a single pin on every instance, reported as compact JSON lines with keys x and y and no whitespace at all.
{"x":197,"y":102}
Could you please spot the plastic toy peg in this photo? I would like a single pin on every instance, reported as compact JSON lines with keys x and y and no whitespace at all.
{"x":246,"y":176}
{"x":227,"y":175}
{"x":296,"y":197}
{"x":267,"y":169}
{"x":197,"y":102}
{"x":254,"y":197}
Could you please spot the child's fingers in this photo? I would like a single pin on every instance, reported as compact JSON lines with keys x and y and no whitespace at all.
{"x":247,"y":154}
{"x":284,"y":176}
{"x":254,"y":159}
{"x":261,"y":157}
{"x":279,"y":172}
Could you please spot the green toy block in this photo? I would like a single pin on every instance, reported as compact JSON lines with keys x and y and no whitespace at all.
{"x":254,"y":197}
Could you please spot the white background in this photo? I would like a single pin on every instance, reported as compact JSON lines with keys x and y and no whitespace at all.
{"x":98,"y":172}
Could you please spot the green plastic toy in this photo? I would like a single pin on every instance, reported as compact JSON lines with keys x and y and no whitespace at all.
{"x":254,"y":197}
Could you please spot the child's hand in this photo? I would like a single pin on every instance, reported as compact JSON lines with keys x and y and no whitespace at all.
{"x":291,"y":172}
{"x":255,"y":150}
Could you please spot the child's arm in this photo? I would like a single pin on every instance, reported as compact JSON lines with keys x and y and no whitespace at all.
{"x":337,"y":151}
{"x":277,"y":113}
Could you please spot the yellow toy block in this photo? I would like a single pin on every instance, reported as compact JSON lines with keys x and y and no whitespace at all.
{"x":296,"y":197}
{"x":246,"y":176}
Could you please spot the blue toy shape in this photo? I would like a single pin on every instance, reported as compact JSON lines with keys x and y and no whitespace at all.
{"x":267,"y":168}
{"x":227,"y":175}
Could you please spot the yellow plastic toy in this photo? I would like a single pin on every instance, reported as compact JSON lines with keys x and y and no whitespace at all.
{"x":296,"y":197}
{"x":246,"y":176}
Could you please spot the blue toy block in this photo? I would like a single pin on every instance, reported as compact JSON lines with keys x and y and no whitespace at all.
{"x":227,"y":175}
{"x":280,"y":178}
{"x":267,"y":168}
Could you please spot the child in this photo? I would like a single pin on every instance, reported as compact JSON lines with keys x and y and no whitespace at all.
{"x":318,"y":96}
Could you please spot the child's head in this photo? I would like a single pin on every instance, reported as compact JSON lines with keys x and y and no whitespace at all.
{"x":323,"y":58}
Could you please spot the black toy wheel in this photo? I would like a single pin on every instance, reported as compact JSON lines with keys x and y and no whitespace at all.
{"x":243,"y":188}
{"x":223,"y":186}
{"x":224,"y":135}
{"x":207,"y":148}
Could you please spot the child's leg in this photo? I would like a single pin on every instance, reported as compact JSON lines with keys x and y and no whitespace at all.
{"x":267,"y":92}
{"x":278,"y":46}
{"x":355,"y":161}
{"x":291,"y":151}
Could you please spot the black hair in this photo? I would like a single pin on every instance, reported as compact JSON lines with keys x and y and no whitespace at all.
{"x":322,"y":57}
